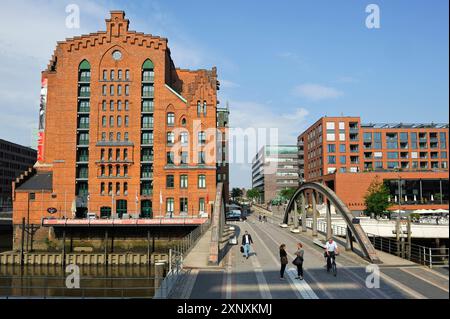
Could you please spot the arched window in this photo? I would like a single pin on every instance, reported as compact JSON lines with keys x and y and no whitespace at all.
{"x":84,"y":74}
{"x":148,"y":71}
{"x":111,"y":121}
{"x":104,"y":121}
{"x":204,"y":108}
{"x":183,"y":122}
{"x":119,"y":121}
{"x":119,"y":137}
{"x":199,"y":108}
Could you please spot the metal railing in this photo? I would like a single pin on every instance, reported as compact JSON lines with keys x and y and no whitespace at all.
{"x":176,"y":259}
{"x":427,"y":256}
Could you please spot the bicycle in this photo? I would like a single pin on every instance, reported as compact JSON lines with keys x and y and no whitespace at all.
{"x":331,"y":263}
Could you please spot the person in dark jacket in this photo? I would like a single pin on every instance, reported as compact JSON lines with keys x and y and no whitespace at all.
{"x":283,"y":260}
{"x":299,"y":255}
{"x":246,"y":242}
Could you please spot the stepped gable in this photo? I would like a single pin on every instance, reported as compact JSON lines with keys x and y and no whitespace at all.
{"x":117,"y":32}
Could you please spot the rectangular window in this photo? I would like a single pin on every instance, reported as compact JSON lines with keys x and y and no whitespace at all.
{"x":331,"y":137}
{"x":201,"y":205}
{"x":342,"y":159}
{"x":184,"y":138}
{"x":443,"y":154}
{"x":330,"y":126}
{"x":127,"y":121}
{"x":170,"y":138}
{"x":183,"y":181}
{"x":392,"y":155}
{"x":202,"y":138}
{"x":342,"y":148}
{"x":392,"y":165}
{"x":378,"y":165}
{"x":331,"y":159}
{"x":201,"y":181}
{"x":201,"y":158}
{"x":169,"y":206}
{"x":170,"y":181}
{"x":367,"y":137}
{"x":331,"y":148}
{"x":170,"y":158}
{"x":111,"y":90}
{"x":184,"y":158}
{"x":443,"y":140}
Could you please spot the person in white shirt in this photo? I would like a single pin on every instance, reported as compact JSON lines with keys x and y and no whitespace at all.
{"x":331,"y":250}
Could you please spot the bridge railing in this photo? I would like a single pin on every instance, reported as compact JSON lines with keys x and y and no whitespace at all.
{"x":428,"y":256}
{"x":338,"y":230}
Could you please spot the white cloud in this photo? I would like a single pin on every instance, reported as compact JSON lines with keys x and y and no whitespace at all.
{"x":316,"y":92}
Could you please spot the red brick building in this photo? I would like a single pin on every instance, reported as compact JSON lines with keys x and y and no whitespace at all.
{"x":124,"y":132}
{"x":347,"y":155}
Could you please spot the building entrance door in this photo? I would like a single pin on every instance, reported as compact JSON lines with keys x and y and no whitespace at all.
{"x":146,"y":209}
{"x":121,"y":208}
{"x":105,"y":212}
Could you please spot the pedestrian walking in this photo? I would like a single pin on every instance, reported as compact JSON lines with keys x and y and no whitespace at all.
{"x":298,"y":261}
{"x":283,"y":260}
{"x":259,"y":218}
{"x":246,"y":242}
{"x":265,"y":218}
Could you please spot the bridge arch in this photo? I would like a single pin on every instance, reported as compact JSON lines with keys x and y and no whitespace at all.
{"x":330,"y":197}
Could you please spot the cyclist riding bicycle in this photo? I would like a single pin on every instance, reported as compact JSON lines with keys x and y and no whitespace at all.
{"x":331,"y":250}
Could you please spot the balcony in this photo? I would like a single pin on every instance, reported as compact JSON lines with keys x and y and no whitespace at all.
{"x":147,"y":126}
{"x":146,"y":175}
{"x":84,"y":110}
{"x":147,"y":192}
{"x":147,"y":109}
{"x":84,"y":79}
{"x":147,"y":142}
{"x":148,"y":79}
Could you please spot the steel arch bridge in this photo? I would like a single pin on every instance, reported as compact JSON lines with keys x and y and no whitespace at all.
{"x":329,"y":196}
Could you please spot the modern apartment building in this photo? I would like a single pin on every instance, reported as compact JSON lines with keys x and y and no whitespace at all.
{"x":14,"y":160}
{"x":123,"y":132}
{"x":347,"y":155}
{"x":274,"y":168}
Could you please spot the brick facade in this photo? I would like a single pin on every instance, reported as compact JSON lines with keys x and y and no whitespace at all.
{"x":80,"y":128}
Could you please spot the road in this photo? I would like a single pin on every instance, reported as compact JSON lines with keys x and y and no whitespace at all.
{"x":258,"y":276}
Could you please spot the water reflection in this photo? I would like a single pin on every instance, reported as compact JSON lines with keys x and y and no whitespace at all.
{"x":95,"y":282}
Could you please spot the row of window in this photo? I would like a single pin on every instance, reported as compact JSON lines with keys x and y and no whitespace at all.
{"x":112,"y":90}
{"x":392,"y":164}
{"x":117,"y":136}
{"x":170,"y":181}
{"x":112,"y":75}
{"x":184,"y":207}
{"x":110,"y":190}
{"x":184,"y":158}
{"x":183,"y":138}
{"x":119,"y":121}
{"x":119,"y":105}
{"x":110,"y":155}
{"x":117,"y":172}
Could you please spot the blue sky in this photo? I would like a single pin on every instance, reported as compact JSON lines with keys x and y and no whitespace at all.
{"x":282,"y":64}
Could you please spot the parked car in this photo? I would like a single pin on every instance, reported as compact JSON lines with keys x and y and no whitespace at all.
{"x":234,"y":215}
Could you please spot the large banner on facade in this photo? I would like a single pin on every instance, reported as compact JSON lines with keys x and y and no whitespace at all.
{"x":42,"y":110}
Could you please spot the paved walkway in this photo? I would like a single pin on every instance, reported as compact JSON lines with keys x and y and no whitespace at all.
{"x":258,"y":277}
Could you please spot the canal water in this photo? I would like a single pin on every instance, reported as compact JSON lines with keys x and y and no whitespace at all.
{"x":95,"y":282}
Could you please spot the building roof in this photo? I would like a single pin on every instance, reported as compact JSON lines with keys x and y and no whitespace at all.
{"x":38,"y":182}
{"x":405,"y":125}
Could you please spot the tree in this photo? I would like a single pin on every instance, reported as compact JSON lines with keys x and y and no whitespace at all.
{"x":253,"y":193}
{"x":287,"y":193}
{"x":236,"y":193}
{"x":377,"y":198}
